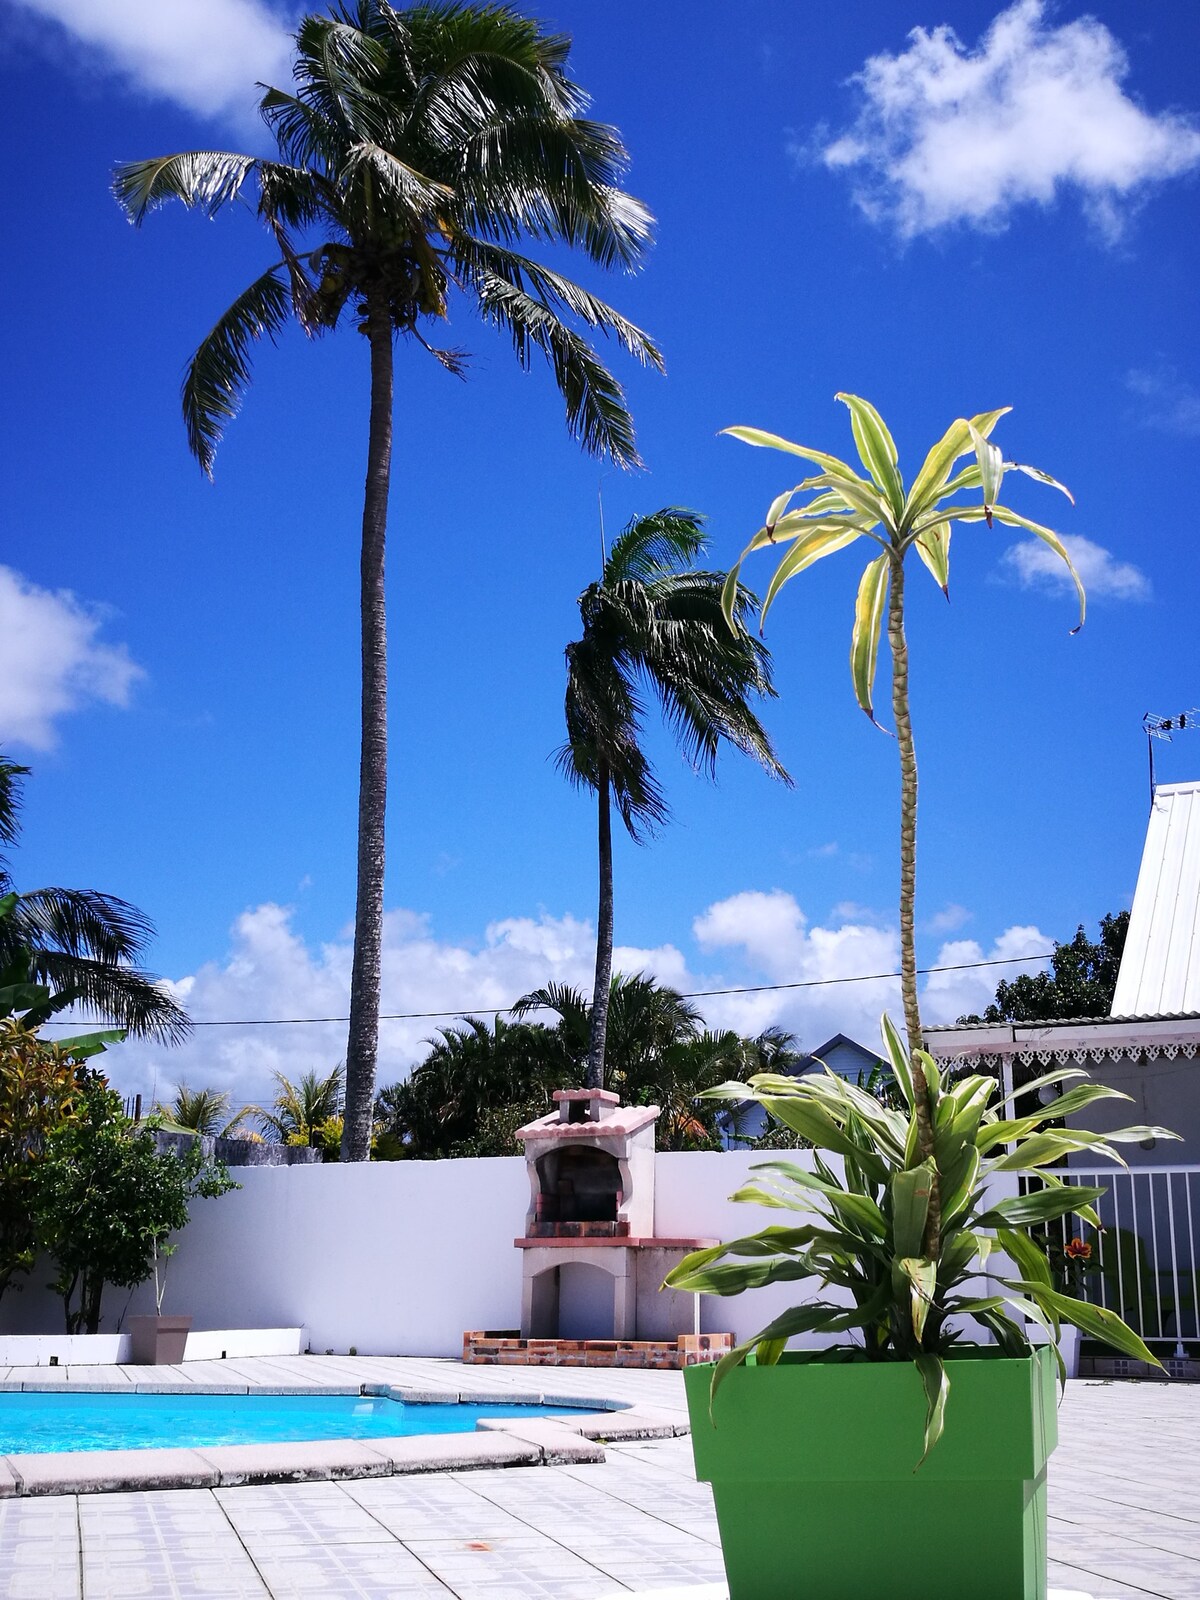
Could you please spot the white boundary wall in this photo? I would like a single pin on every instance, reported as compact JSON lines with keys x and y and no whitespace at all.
{"x":116,"y":1349}
{"x":403,"y":1257}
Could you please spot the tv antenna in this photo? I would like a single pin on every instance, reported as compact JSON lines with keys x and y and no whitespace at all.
{"x":1166,"y":728}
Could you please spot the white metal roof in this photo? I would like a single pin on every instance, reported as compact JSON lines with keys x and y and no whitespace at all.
{"x":1160,"y":966}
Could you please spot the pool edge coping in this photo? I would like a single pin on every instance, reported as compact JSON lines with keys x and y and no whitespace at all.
{"x":498,"y":1442}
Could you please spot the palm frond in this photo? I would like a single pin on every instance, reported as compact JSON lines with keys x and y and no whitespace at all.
{"x":396,"y":182}
{"x":339,"y":68}
{"x":294,"y":196}
{"x":663,"y":542}
{"x":201,"y":1110}
{"x":123,"y":995}
{"x":557,"y":292}
{"x":569,"y":1003}
{"x":80,"y":922}
{"x":483,"y":63}
{"x":219,"y":372}
{"x":595,"y":401}
{"x":554,"y":180}
{"x":203,"y":179}
{"x":604,"y":714}
{"x":304,"y":137}
{"x":299,"y":1108}
{"x":10,"y":803}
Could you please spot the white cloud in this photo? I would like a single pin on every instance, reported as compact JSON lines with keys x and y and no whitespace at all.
{"x":950,"y":995}
{"x":270,"y":971}
{"x":773,"y":936}
{"x":52,"y":662}
{"x":1169,"y":402}
{"x":948,"y":920}
{"x":205,"y":55}
{"x":1034,"y":565}
{"x":947,"y":134}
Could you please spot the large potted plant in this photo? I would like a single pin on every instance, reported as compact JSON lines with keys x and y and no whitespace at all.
{"x":902,"y":1440}
{"x":902,"y":1459}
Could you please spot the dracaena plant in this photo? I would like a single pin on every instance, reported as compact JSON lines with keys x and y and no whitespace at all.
{"x":906,"y":1238}
{"x":873,"y":504}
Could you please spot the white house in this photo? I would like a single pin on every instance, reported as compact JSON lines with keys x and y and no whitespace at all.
{"x":841,"y":1054}
{"x":1145,"y":1260}
{"x":1148,"y":1046}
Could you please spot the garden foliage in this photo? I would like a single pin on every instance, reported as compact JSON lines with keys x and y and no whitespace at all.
{"x":107,"y":1201}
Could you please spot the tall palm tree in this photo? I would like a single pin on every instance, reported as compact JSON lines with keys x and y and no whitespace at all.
{"x":846,"y":506}
{"x":81,"y":943}
{"x":418,"y":149}
{"x":653,"y":623}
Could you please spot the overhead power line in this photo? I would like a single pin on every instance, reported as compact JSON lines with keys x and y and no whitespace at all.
{"x":695,"y":994}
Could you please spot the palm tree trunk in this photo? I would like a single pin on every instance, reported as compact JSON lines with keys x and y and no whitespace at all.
{"x":908,"y":894}
{"x":363,"y":1038}
{"x":604,"y":940}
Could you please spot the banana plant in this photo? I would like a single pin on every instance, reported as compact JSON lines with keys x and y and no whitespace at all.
{"x":906,"y":1237}
{"x":873,"y":504}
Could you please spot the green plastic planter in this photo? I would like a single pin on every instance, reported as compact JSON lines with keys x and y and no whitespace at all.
{"x":812,"y":1468}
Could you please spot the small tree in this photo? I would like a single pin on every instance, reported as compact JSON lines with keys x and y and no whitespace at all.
{"x":108,"y":1200}
{"x":896,"y":522}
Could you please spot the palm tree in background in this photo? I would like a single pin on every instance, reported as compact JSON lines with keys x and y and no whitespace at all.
{"x":470,"y":1071}
{"x":82,"y":943}
{"x":658,"y":1052}
{"x":776,"y":1049}
{"x":204,"y":1111}
{"x":481,"y":1081}
{"x":653,"y":623}
{"x":418,"y":149}
{"x":300,"y":1110}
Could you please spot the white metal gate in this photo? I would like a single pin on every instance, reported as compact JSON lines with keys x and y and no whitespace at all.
{"x":1144,"y":1263}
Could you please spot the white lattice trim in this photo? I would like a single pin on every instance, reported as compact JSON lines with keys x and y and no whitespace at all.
{"x":1043,"y":1055}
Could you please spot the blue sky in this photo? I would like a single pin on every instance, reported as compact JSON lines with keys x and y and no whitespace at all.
{"x":997,"y":210}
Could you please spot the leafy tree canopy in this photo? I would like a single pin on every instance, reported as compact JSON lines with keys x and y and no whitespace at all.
{"x":39,"y":1094}
{"x":1081,"y":982}
{"x":482,"y":1081}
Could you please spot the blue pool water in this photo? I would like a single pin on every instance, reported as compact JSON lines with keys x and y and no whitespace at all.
{"x":55,"y":1422}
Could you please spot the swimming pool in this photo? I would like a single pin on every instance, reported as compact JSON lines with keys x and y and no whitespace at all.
{"x":38,"y":1423}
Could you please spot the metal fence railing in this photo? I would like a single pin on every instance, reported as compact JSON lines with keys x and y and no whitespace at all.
{"x":1144,"y":1263}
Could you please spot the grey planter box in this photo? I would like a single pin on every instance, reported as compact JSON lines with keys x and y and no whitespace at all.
{"x":158,"y":1341}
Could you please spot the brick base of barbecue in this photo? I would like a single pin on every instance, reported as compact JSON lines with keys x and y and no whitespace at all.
{"x":506,"y":1350}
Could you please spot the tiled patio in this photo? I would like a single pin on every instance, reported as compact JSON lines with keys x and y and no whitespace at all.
{"x":1125,"y":1519}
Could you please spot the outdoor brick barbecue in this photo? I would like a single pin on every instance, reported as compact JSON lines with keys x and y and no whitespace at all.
{"x":591,"y":1206}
